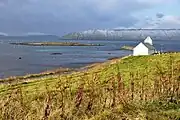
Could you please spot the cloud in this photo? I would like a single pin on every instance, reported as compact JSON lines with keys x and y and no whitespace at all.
{"x":159,"y":15}
{"x":169,"y":21}
{"x":63,"y":16}
{"x":154,"y":2}
{"x":160,"y":22}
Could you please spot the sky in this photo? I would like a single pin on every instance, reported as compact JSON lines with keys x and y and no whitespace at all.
{"x":59,"y":17}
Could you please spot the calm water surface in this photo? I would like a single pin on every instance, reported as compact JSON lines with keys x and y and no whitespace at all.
{"x":39,"y":59}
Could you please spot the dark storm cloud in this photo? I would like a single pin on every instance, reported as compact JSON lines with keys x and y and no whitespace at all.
{"x":62,"y":16}
{"x":159,"y":15}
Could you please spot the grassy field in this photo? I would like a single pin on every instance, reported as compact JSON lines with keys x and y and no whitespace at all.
{"x":131,"y":88}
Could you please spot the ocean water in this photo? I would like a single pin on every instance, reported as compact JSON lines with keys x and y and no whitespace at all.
{"x":36,"y":59}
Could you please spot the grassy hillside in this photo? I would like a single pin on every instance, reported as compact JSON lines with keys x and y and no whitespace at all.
{"x":143,"y":87}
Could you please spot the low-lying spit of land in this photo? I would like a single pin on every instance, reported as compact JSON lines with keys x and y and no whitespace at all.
{"x":127,"y":48}
{"x":142,"y":87}
{"x":55,"y":44}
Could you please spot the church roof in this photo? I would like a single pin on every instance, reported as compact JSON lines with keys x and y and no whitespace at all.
{"x":149,"y":46}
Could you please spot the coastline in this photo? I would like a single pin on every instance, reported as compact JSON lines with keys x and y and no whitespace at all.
{"x":65,"y":71}
{"x":56,"y":72}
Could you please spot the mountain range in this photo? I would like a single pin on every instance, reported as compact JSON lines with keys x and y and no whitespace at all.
{"x":125,"y":34}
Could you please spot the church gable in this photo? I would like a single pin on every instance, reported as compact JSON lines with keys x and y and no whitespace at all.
{"x":148,"y":40}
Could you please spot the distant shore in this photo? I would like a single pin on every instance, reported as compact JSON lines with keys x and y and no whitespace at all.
{"x":54,"y":44}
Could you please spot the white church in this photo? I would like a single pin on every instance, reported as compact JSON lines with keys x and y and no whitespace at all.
{"x":144,"y":48}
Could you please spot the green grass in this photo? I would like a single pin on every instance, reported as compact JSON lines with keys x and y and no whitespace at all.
{"x":143,"y":87}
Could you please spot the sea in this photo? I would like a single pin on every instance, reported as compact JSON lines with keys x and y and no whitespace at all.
{"x":19,"y":60}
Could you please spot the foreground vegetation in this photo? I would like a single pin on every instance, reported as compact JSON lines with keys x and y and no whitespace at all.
{"x":143,"y":87}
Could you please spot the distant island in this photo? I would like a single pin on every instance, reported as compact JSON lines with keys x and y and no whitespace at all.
{"x":55,"y":44}
{"x":124,"y":34}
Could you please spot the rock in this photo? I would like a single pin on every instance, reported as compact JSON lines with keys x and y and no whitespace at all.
{"x":56,"y":53}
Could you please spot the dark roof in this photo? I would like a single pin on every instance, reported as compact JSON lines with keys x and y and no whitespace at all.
{"x":149,"y":46}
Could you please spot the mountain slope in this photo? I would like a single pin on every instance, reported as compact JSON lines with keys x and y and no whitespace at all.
{"x":3,"y":34}
{"x":126,"y":34}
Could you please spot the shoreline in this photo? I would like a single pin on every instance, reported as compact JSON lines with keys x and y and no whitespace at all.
{"x":64,"y":71}
{"x":58,"y":71}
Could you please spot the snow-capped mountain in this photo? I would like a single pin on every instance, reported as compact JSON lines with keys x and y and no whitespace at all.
{"x":3,"y":34}
{"x":127,"y":34}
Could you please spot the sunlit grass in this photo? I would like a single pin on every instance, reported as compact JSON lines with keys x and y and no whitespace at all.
{"x":142,"y":87}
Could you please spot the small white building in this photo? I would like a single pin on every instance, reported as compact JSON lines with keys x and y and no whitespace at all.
{"x":144,"y":48}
